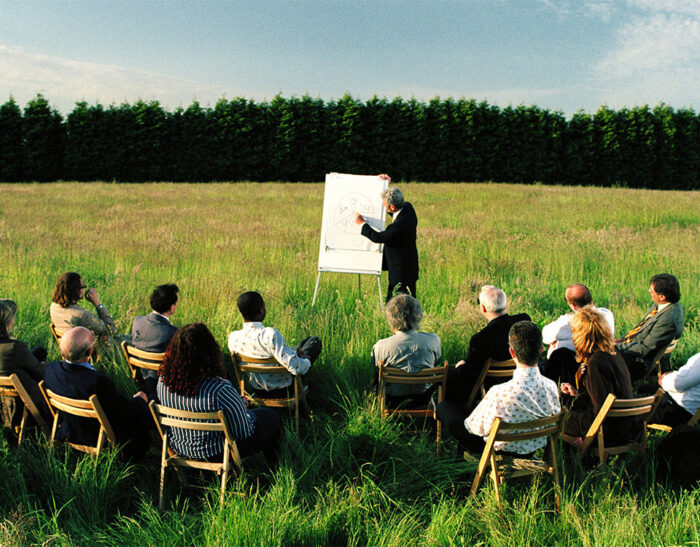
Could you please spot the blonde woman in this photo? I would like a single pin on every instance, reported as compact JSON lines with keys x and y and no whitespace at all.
{"x":601,"y":371}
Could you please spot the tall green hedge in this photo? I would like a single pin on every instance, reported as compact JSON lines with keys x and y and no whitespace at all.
{"x":302,"y":138}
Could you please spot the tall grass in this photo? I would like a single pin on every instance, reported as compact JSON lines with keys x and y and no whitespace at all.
{"x":352,"y":478}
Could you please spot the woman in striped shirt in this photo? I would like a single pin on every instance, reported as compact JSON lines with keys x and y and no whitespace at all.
{"x":191,"y":378}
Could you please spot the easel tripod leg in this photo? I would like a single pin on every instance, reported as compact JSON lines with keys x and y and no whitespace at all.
{"x":318,"y":279}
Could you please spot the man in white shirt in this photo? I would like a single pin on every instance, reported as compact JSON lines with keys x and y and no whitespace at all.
{"x":683,"y":394}
{"x":528,"y":396}
{"x":561,"y":355}
{"x":256,"y":340}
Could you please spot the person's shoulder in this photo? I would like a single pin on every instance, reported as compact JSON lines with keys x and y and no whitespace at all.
{"x":520,"y":317}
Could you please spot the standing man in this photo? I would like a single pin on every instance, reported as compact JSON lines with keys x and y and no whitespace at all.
{"x":662,"y":323}
{"x":400,"y":256}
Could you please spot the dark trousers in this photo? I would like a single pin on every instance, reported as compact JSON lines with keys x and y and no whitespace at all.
{"x":401,"y":288}
{"x":669,"y":412}
{"x":637,"y":368}
{"x":266,"y":435}
{"x":561,"y":365}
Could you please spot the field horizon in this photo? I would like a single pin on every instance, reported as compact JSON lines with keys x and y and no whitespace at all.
{"x":351,"y":478}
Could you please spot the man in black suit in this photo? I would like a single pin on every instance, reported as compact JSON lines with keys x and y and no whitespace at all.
{"x":153,"y":332}
{"x":74,"y":377}
{"x":400,"y":256}
{"x":491,"y":342}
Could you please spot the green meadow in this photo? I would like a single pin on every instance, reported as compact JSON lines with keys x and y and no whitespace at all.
{"x":352,"y":478}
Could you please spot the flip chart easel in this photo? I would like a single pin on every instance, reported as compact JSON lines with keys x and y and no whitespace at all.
{"x":343,"y":249}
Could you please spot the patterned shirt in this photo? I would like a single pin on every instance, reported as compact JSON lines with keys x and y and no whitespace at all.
{"x":214,"y":394}
{"x":528,"y":396}
{"x":260,"y":342}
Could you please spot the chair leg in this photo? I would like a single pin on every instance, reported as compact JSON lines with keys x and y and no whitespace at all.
{"x":496,"y":480}
{"x":439,"y":435}
{"x":555,"y":469}
{"x":22,"y":425}
{"x":224,"y":473}
{"x":161,"y":493}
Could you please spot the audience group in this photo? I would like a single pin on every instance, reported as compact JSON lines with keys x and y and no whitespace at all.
{"x":583,"y":364}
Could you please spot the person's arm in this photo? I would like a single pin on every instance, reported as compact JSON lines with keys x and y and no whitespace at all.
{"x":684,"y":378}
{"x":105,"y":324}
{"x":479,"y":422}
{"x":285,"y":355}
{"x":556,"y":330}
{"x":661,"y":333}
{"x":26,"y":361}
{"x":596,"y":384}
{"x":394,"y":232}
{"x":476,"y":354}
{"x":239,"y":422}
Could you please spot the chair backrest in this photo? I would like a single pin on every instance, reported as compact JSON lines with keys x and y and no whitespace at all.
{"x":90,"y":408}
{"x":12,"y":386}
{"x":491,"y":369}
{"x":534,"y":429}
{"x":621,"y":408}
{"x":392,"y":375}
{"x":655,"y":362}
{"x":137,"y":358}
{"x":166,"y":417}
{"x":57,"y":334}
{"x":243,"y":363}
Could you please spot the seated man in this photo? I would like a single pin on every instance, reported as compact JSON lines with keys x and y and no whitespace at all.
{"x":408,"y":349}
{"x":528,"y":396}
{"x":491,"y":342}
{"x":662,"y":323}
{"x":682,"y":398}
{"x":74,"y":377}
{"x":260,"y":342}
{"x":561,"y":356}
{"x":153,"y":332}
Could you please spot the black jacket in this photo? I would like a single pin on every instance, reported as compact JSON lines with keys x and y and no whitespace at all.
{"x":400,"y":257}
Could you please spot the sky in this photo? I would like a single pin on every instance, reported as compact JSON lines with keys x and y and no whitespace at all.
{"x":561,"y":55}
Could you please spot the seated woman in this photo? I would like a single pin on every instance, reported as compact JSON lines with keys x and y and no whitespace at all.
{"x":602,"y":371}
{"x":15,"y":358}
{"x":66,"y":314}
{"x":408,"y":349}
{"x":191,"y":378}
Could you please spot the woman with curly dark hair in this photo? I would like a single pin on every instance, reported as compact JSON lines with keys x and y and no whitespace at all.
{"x":65,"y":312}
{"x":191,"y":378}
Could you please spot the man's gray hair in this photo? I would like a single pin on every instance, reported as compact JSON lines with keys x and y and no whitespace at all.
{"x":493,"y":299}
{"x":393,"y":196}
{"x":404,"y":313}
{"x":8,"y":310}
{"x":76,"y":343}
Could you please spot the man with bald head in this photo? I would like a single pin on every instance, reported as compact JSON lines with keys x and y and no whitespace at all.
{"x":75,"y":377}
{"x":561,"y":355}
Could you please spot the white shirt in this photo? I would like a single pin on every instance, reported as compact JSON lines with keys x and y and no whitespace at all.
{"x":256,"y":340}
{"x":558,"y":333}
{"x":528,"y":396}
{"x":684,"y":384}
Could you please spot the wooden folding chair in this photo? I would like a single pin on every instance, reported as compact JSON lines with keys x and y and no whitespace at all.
{"x":138,"y":359}
{"x":660,"y":355}
{"x":613,"y":407}
{"x":12,"y":387}
{"x":167,"y":417}
{"x":391,"y":375}
{"x":491,"y":369}
{"x":57,"y":334}
{"x":509,"y":467}
{"x":244,"y":364}
{"x":90,"y":408}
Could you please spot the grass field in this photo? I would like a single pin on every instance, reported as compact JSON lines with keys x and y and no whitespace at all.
{"x":351,"y":478}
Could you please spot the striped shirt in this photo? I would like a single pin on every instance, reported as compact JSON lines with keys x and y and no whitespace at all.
{"x":214,"y":394}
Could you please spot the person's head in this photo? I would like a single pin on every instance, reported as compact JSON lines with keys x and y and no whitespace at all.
{"x":8,"y":311}
{"x":192,"y":356}
{"x":578,"y":296}
{"x":164,"y":298}
{"x":665,"y":288}
{"x":525,"y":340}
{"x":77,"y":344}
{"x":404,"y":313}
{"x":492,"y":299}
{"x":69,"y":289}
{"x":590,"y":332}
{"x":252,"y":306}
{"x":392,"y":199}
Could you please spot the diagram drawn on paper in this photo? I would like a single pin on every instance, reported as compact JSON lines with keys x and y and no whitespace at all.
{"x":345,"y":209}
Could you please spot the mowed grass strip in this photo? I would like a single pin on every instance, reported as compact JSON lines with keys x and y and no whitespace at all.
{"x":352,"y":478}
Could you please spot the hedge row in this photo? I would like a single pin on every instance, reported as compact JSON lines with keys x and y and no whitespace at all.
{"x":300,"y":139}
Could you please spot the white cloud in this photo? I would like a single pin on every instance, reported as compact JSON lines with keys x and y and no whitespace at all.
{"x":65,"y":81}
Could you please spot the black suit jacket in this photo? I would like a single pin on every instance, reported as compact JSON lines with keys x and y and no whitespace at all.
{"x":152,"y":332}
{"x":128,"y":417}
{"x":400,"y":257}
{"x":491,"y":342}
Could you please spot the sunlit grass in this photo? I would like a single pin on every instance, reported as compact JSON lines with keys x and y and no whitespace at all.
{"x":352,"y":478}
